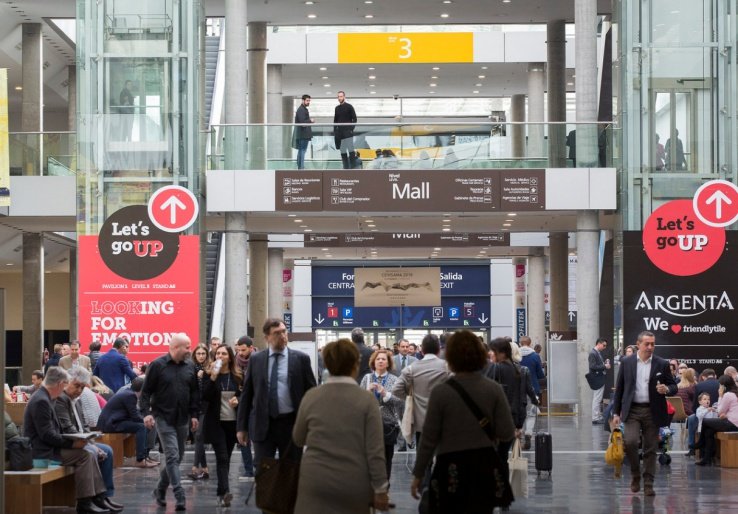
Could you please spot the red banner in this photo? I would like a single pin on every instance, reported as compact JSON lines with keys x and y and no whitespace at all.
{"x":149,"y":310}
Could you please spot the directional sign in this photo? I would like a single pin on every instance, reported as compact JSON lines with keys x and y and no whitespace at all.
{"x":173,"y":208}
{"x":716,"y":203}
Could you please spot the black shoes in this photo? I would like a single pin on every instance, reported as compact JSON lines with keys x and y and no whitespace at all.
{"x":112,"y":506}
{"x":88,"y":506}
{"x":704,"y":462}
{"x":690,"y":453}
{"x":160,"y":498}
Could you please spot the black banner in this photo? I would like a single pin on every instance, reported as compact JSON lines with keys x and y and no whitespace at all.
{"x":693,"y":317}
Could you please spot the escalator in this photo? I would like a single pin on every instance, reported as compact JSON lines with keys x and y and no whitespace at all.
{"x":212,"y":45}
{"x":212,"y":257}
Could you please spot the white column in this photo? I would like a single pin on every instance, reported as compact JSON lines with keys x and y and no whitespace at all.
{"x":585,"y":46}
{"x":274,"y":111}
{"x":536,"y":96}
{"x":536,"y":310}
{"x":588,"y":297}
{"x":258,"y":285}
{"x":556,"y":78}
{"x":559,"y":274}
{"x":517,"y":116}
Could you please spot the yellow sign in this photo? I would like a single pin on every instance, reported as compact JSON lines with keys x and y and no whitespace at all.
{"x":4,"y":154}
{"x":402,"y":47}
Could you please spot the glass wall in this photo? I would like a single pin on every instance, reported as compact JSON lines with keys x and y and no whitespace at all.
{"x":675,"y":99}
{"x":138,"y":101}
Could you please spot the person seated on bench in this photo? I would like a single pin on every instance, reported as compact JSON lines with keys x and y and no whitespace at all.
{"x":121,"y":415}
{"x":36,"y":378}
{"x":11,"y":431}
{"x":727,"y":420}
{"x":42,"y":427}
{"x":69,"y":412}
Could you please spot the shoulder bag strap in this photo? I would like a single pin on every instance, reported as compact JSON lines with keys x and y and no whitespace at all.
{"x":483,"y":420}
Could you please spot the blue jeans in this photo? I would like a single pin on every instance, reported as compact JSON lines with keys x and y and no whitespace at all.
{"x":248,"y":460}
{"x":139,"y":430}
{"x":302,"y":145}
{"x":106,"y":466}
{"x":172,"y":440}
{"x":692,"y":424}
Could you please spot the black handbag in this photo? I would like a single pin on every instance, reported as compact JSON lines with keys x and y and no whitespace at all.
{"x":390,"y":425}
{"x":276,"y":484}
{"x":20,"y":454}
{"x":595,"y":380}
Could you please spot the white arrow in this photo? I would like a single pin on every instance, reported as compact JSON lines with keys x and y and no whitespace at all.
{"x":717,"y":198}
{"x":173,"y":203}
{"x":483,"y":319}
{"x":571,"y":315}
{"x":319,"y":320}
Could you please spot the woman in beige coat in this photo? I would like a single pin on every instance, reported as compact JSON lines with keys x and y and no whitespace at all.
{"x":342,"y":469}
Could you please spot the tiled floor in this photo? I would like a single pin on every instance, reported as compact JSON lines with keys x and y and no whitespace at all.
{"x":581,"y":482}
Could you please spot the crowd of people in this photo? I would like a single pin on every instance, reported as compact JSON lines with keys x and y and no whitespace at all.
{"x":462,"y":403}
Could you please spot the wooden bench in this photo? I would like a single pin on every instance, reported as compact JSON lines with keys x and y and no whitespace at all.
{"x":16,"y":411}
{"x":728,"y":449}
{"x":28,"y":492}
{"x":123,"y":445}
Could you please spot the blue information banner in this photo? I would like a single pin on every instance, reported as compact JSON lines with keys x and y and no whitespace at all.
{"x":336,"y":281}
{"x":467,"y":312}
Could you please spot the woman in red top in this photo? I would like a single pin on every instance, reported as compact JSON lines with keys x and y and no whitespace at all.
{"x":685,"y":388}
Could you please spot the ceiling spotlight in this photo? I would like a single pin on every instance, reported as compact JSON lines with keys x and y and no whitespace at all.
{"x":326,"y":85}
{"x":481,"y":76}
{"x":446,"y":221}
{"x":505,"y":224}
{"x":475,"y":92}
{"x":431,"y":92}
{"x":368,"y":2}
{"x":478,"y":85}
{"x":446,"y":1}
{"x":322,"y":68}
{"x":368,"y":16}
{"x":309,"y":2}
{"x":325,"y":77}
{"x":324,"y":249}
{"x":436,"y":249}
{"x":484,"y":67}
{"x":372,"y":77}
{"x":506,"y":1}
{"x":435,"y":68}
{"x":372,"y":85}
{"x":432,"y":84}
{"x":297,"y":221}
{"x":372,"y":68}
{"x":292,"y":215}
{"x":372,"y":92}
{"x":307,"y":230}
{"x":370,"y":221}
{"x":446,"y":229}
{"x":312,"y":16}
{"x":444,"y":15}
{"x":509,"y":221}
{"x":434,"y":77}
{"x":512,"y":214}
{"x":570,"y":83}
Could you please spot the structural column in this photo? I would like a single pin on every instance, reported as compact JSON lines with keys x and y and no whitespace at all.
{"x":276,"y":134}
{"x":517,"y":116}
{"x":236,"y":238}
{"x":276,"y":298}
{"x":558,"y":269}
{"x":288,"y":116}
{"x":73,"y":304}
{"x":33,"y":303}
{"x":588,"y":298}
{"x":556,"y":79}
{"x":258,"y":286}
{"x":257,"y":52}
{"x":72,"y":98}
{"x":536,"y":310}
{"x":536,"y":96}
{"x":32,"y":112}
{"x":585,"y":46}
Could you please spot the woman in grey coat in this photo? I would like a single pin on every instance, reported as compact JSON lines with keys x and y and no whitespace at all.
{"x":342,"y":469}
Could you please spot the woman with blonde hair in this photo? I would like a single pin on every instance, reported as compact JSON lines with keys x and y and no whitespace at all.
{"x":380,"y":382}
{"x":342,"y":470}
{"x":685,"y":389}
{"x":221,"y":390}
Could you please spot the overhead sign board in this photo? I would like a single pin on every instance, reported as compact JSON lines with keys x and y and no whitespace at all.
{"x":469,"y":190}
{"x":405,"y":47}
{"x":396,"y":239}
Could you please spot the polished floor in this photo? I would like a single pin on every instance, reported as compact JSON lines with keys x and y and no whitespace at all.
{"x":580,"y":482}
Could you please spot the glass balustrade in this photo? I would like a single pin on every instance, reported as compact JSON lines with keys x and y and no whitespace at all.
{"x":43,"y":153}
{"x":444,"y":145}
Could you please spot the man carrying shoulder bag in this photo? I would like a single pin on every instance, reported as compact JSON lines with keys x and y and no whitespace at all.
{"x":596,"y":378}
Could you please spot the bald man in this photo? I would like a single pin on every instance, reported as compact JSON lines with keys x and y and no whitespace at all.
{"x":170,"y":401}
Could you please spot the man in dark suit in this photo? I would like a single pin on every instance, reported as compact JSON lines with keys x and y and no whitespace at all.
{"x":113,"y":367}
{"x":344,"y":134}
{"x":121,"y":415}
{"x":404,"y":358}
{"x":41,"y":425}
{"x":365,"y":353}
{"x":275,"y":382}
{"x":71,"y":420}
{"x":644,"y":381}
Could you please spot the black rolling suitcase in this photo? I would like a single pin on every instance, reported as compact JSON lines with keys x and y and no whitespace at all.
{"x":544,"y":452}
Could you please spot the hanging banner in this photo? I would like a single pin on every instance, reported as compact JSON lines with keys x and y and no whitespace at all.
{"x":386,"y":287}
{"x":679,"y":282}
{"x":520,"y":292}
{"x":4,"y":150}
{"x":138,"y":282}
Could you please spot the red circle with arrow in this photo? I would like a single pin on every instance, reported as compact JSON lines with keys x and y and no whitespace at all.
{"x":173,"y":208}
{"x":716,"y":203}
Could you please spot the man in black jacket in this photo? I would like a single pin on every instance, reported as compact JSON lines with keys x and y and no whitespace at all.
{"x":41,"y":425}
{"x":303,"y":131}
{"x":344,"y":134}
{"x":171,"y":402}
{"x":644,"y":381}
{"x":598,"y":368}
{"x":357,"y":336}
